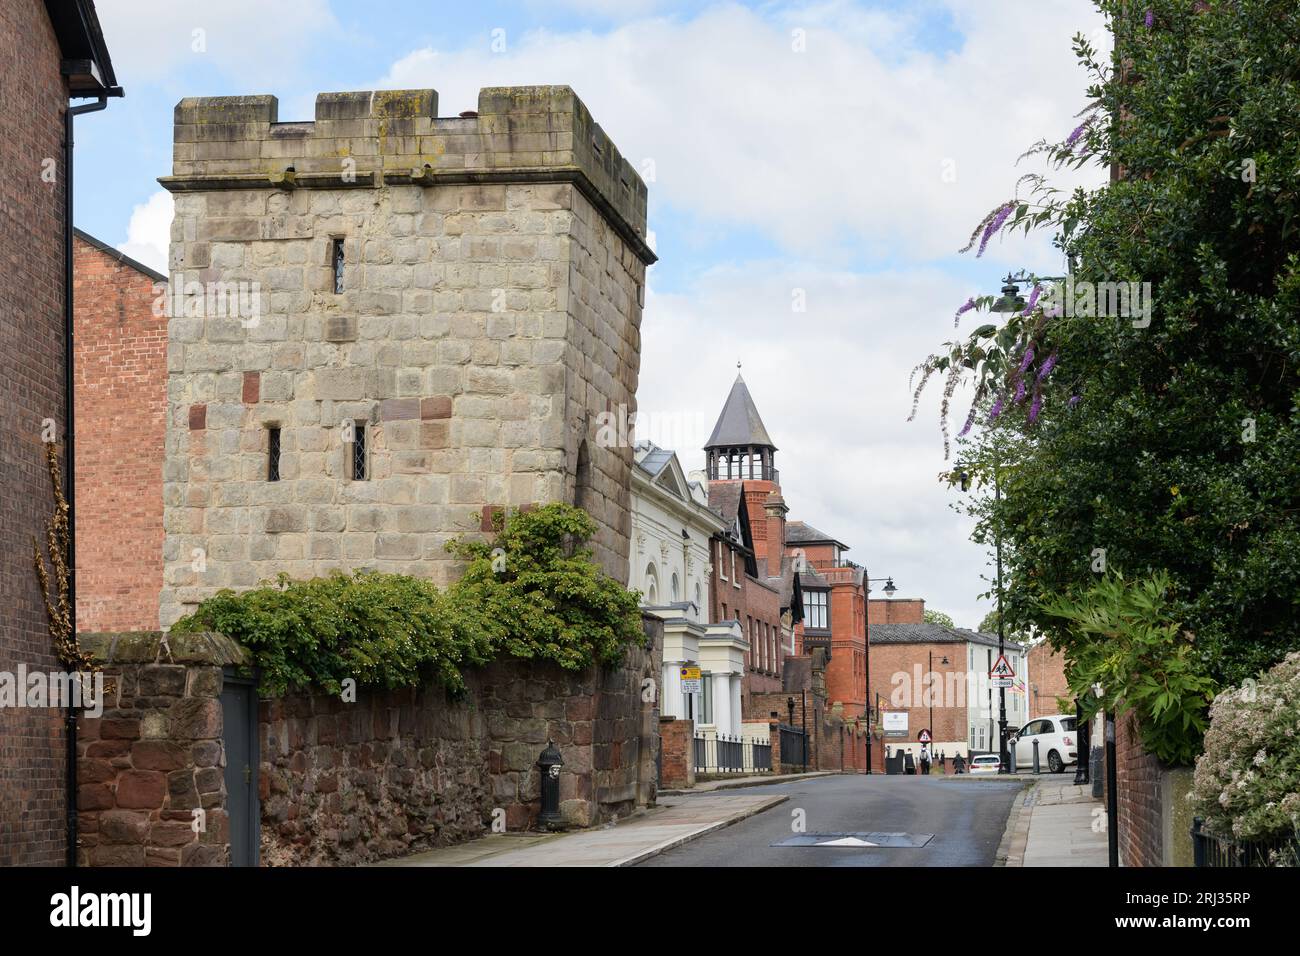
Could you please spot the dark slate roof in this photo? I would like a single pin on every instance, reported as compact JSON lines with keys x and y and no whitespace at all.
{"x":784,"y":582}
{"x":932,"y":634}
{"x":811,"y":579}
{"x":725,"y":498}
{"x":799,"y":532}
{"x":739,"y":425}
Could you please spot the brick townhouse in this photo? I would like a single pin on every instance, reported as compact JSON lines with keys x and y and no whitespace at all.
{"x":121,"y":409}
{"x":956,"y":704}
{"x":835,"y":613}
{"x":49,"y":53}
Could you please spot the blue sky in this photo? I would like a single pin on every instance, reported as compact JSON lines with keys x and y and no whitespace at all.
{"x":834,"y":151}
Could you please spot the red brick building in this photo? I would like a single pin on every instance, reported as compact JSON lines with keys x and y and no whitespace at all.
{"x":938,"y":675}
{"x":121,"y":409}
{"x":49,"y":52}
{"x":835,"y":613}
{"x":1047,"y":682}
{"x":752,"y":582}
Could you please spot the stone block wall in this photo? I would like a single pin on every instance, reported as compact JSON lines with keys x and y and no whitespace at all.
{"x":401,"y":771}
{"x":344,"y":782}
{"x":492,"y":284}
{"x":155,"y":755}
{"x":350,"y":782}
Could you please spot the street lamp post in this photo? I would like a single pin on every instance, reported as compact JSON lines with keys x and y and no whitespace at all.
{"x":1004,"y":760}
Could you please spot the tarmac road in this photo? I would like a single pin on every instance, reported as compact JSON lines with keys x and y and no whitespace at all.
{"x":966,"y":818}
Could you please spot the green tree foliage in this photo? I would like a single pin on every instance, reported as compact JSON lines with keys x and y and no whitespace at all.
{"x":1122,"y":640}
{"x":937,"y":617}
{"x":1172,"y":445}
{"x":537,"y":593}
{"x":532,"y":592}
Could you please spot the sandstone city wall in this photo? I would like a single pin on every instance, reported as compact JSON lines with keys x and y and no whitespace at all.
{"x":342,"y":783}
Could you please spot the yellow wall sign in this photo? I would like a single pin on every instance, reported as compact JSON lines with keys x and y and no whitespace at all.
{"x":690,"y":673}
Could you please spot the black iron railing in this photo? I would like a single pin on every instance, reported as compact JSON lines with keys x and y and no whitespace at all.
{"x":1217,"y":851}
{"x":726,"y":754}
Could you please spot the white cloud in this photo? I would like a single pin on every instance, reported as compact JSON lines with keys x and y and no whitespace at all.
{"x":833,"y":155}
{"x":149,"y":232}
{"x":845,"y":141}
{"x":831,"y":385}
{"x":243,"y":38}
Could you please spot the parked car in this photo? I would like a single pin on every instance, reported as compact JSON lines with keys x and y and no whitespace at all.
{"x":984,"y":763}
{"x":1056,"y":743}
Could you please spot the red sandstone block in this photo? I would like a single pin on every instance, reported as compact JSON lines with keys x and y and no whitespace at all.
{"x":435,"y":406}
{"x":141,"y":788}
{"x":252,"y":387}
{"x":198,"y":417}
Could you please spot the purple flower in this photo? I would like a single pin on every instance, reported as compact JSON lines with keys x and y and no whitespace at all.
{"x":1078,"y":131}
{"x":1150,"y":20}
{"x":1035,"y":408}
{"x":1027,"y":359}
{"x":1033,"y":299}
{"x":1020,"y":392}
{"x":1047,"y":367}
{"x":970,"y":420}
{"x":991,"y":229}
{"x":1074,"y":400}
{"x":970,"y":304}
{"x":996,"y":410}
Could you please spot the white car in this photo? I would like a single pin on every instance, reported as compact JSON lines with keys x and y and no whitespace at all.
{"x":1056,"y":743}
{"x":984,"y":763}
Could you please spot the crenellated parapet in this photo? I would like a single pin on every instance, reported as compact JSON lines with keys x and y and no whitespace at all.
{"x":366,"y":139}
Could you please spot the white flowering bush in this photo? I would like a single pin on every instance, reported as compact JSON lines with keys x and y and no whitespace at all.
{"x":1247,"y":783}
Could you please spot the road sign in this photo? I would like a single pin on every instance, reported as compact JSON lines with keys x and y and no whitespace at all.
{"x":923,"y":737}
{"x":895,"y":723}
{"x":690,"y":679}
{"x":1003,"y":670}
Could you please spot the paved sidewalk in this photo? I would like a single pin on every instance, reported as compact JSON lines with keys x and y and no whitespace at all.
{"x":1056,"y":823}
{"x":734,"y":783}
{"x":675,"y":821}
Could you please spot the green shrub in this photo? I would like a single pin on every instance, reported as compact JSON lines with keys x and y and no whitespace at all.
{"x":538,"y":594}
{"x":1120,"y":635}
{"x":1247,"y":783}
{"x":532,"y":592}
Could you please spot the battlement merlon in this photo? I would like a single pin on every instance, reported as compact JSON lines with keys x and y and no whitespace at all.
{"x":369,"y":139}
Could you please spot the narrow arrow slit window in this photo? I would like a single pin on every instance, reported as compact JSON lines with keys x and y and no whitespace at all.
{"x":273,"y":453}
{"x":359,"y":452}
{"x":337,"y":260}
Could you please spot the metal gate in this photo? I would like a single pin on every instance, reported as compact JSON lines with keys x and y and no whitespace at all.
{"x":239,"y":737}
{"x":794,"y":746}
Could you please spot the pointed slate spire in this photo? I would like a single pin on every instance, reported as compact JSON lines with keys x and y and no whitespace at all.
{"x":739,"y":425}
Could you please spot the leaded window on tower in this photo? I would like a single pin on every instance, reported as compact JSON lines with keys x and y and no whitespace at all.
{"x":359,"y":451}
{"x":336,"y":259}
{"x":273,"y":453}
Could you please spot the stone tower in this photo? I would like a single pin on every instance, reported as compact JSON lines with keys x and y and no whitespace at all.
{"x":386,"y":324}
